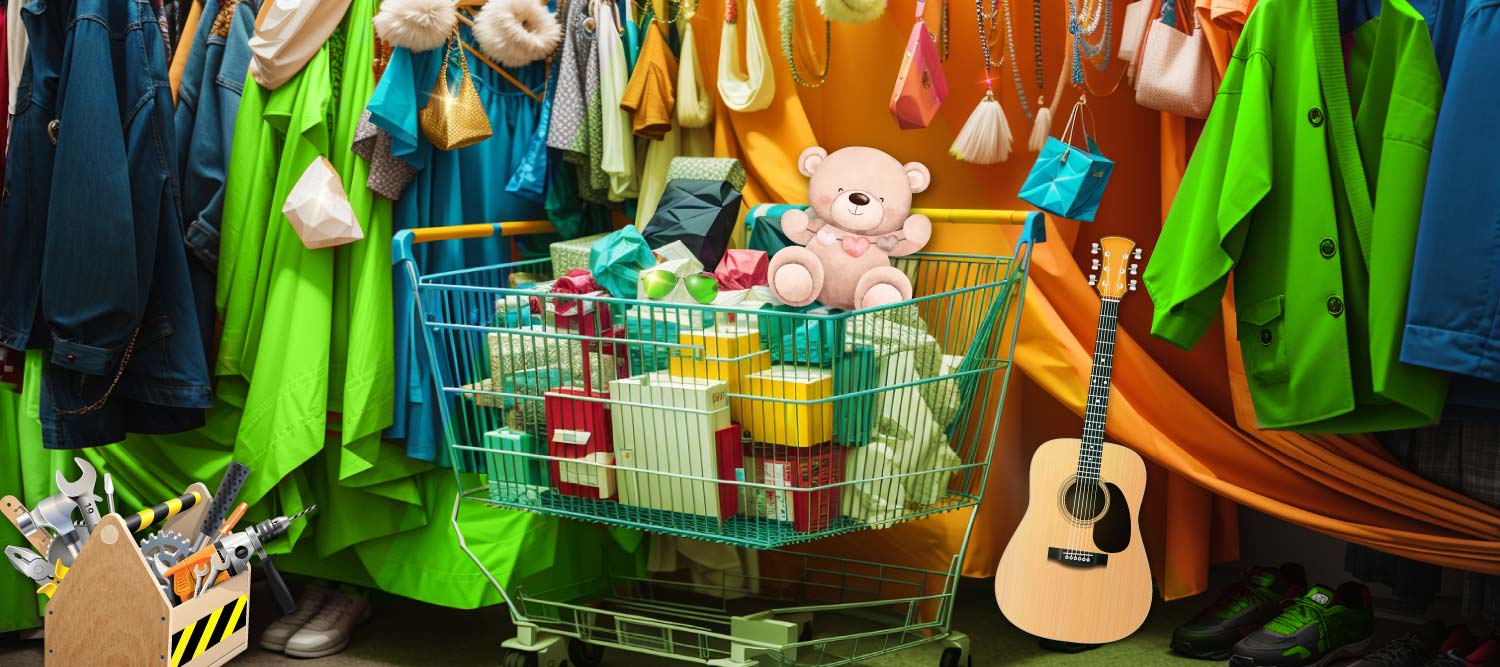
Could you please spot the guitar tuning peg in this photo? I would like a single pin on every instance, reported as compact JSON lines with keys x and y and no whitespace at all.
{"x":1096,"y":264}
{"x":1093,"y":280}
{"x":1137,"y":253}
{"x":1132,"y":285}
{"x":1132,"y":269}
{"x":1094,"y":250}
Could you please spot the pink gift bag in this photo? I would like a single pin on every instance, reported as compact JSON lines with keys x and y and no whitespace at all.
{"x":921,"y":86}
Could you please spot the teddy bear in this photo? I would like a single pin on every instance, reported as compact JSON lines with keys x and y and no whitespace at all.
{"x":861,"y":205}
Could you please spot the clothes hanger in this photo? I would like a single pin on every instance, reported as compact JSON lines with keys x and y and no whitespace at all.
{"x":469,"y":21}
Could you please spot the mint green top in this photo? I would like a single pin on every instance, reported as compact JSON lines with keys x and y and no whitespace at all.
{"x":1315,"y":210}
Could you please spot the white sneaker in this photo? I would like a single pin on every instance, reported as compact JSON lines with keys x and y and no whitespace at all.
{"x":329,"y":631}
{"x":276,"y":636}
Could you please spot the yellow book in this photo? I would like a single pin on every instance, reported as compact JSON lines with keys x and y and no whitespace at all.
{"x":789,"y":405}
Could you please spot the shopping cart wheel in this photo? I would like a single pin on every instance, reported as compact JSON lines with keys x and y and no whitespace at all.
{"x":951,"y":657}
{"x":584,"y":654}
{"x":521,"y":659}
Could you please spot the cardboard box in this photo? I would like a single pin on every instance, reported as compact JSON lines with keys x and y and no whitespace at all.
{"x":729,"y":444}
{"x":794,"y":468}
{"x":579,"y":428}
{"x":588,"y":364}
{"x":854,"y":416}
{"x":789,"y":405}
{"x":514,"y":475}
{"x":669,"y":424}
{"x":729,"y":353}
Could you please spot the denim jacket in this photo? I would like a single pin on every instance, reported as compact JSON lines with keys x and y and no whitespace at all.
{"x":207,"y":102}
{"x":92,"y":263}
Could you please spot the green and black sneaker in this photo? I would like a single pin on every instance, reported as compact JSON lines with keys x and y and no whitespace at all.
{"x":1319,"y":627}
{"x":1240,"y":610}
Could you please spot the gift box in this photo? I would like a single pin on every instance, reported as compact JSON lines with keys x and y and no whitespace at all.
{"x":800,"y":340}
{"x":794,"y":468}
{"x":579,"y":427}
{"x":763,"y":227}
{"x":590,"y":364}
{"x":666,"y":424}
{"x":675,"y":251}
{"x":743,"y":269}
{"x":512,"y":475}
{"x":663,"y":324}
{"x":573,"y":253}
{"x":615,"y":259}
{"x":729,"y":446}
{"x":854,"y":414}
{"x":725,"y":169}
{"x":723,"y":352}
{"x":700,"y":214}
{"x":788,"y":405}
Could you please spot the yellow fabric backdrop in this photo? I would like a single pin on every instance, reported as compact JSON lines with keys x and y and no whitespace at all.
{"x":1185,"y":411}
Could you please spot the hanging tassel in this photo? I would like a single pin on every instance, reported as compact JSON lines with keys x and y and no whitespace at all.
{"x":1042,"y":129}
{"x":985,"y":138}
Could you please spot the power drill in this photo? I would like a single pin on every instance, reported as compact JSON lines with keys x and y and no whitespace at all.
{"x":235,"y":549}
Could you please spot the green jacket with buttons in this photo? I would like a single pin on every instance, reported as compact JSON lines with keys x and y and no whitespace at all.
{"x":1315,"y":210}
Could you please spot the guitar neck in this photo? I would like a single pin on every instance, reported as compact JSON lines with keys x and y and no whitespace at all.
{"x":1091,"y":453}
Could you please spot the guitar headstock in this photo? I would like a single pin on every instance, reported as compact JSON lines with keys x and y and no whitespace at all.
{"x":1115,"y":266}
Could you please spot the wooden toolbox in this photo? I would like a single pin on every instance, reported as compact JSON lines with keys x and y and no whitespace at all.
{"x":108,"y":609}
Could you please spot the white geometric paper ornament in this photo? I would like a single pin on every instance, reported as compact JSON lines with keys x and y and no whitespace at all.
{"x":319,"y":209}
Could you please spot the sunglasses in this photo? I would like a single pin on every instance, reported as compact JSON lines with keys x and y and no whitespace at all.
{"x":659,"y":283}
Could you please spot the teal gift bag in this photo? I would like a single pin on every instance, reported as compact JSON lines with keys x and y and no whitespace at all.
{"x":1068,"y":181}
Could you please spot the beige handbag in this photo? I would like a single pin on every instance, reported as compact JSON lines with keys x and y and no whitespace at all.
{"x":452,"y":121}
{"x":752,"y":86}
{"x":1133,"y":33}
{"x":1177,"y":69}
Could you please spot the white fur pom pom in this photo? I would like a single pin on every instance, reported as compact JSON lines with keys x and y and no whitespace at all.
{"x":1042,"y":129}
{"x":417,"y":25}
{"x":517,"y":32}
{"x":985,"y":138}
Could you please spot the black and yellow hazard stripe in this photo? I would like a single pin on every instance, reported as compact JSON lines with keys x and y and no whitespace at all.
{"x":145,"y":518}
{"x":207,"y":632}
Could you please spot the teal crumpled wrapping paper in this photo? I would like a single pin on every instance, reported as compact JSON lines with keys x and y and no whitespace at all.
{"x":617,"y":259}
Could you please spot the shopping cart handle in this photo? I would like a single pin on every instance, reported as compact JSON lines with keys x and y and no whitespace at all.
{"x":404,"y":240}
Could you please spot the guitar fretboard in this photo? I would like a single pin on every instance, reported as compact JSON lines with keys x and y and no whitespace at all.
{"x":1091,"y":453}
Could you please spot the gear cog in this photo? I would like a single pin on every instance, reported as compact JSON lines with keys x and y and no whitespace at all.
{"x":166,"y":548}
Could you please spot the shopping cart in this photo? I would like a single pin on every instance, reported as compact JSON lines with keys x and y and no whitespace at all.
{"x":739,"y":422}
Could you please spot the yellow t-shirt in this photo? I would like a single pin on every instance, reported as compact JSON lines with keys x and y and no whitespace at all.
{"x":651,"y":95}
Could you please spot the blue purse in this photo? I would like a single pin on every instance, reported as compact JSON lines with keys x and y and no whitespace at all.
{"x":1068,"y":181}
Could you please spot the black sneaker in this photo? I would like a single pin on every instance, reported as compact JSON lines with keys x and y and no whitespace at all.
{"x":1239,"y":611}
{"x":1321,"y":626}
{"x":1413,"y":650}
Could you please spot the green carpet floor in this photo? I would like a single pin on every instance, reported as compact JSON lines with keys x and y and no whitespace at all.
{"x":405,"y":633}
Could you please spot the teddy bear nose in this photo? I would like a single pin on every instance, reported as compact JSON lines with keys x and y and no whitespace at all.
{"x":859,"y":199}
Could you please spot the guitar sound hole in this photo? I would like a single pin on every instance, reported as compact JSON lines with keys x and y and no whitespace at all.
{"x":1084,"y":503}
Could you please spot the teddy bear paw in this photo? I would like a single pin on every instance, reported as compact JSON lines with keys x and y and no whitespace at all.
{"x":794,"y":285}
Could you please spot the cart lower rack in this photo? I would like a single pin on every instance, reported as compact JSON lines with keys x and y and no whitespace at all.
{"x":742,"y":422}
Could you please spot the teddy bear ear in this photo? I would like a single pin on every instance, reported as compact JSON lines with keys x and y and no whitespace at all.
{"x":811,"y":159}
{"x":918,"y":176}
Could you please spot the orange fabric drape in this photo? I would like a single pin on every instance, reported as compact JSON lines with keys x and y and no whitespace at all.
{"x":1184,"y":411}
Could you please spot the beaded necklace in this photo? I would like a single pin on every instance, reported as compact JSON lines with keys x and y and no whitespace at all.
{"x":1010,"y":45}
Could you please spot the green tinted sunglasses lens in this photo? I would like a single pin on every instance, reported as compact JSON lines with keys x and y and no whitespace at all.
{"x":703,"y":287}
{"x":658,"y":284}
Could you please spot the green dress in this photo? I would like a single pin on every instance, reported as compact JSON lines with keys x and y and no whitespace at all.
{"x":1316,"y":211}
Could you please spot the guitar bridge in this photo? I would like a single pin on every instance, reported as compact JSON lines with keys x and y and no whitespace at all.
{"x":1076,"y":558}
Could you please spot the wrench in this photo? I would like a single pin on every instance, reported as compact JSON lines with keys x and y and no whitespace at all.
{"x":82,"y":491}
{"x":56,"y":513}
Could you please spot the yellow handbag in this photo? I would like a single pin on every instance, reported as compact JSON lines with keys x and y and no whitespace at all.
{"x":452,"y":121}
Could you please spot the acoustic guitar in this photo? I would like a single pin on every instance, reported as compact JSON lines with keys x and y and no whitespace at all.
{"x":1075,"y":569}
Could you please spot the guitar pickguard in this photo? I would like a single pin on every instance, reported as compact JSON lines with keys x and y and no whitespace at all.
{"x":1112,"y":532}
